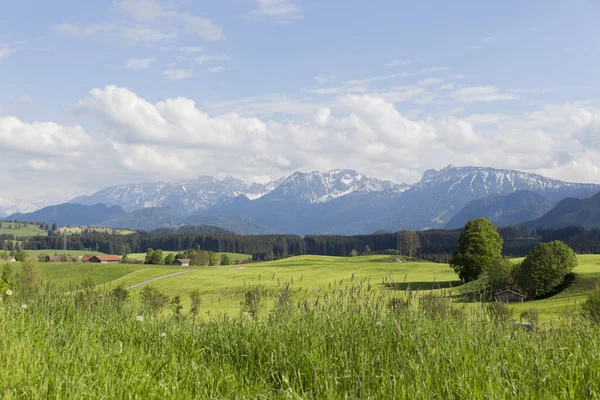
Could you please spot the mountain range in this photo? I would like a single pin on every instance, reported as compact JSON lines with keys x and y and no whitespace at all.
{"x":333,"y":202}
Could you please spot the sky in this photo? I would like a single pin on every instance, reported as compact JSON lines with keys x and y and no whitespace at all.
{"x":99,"y":93}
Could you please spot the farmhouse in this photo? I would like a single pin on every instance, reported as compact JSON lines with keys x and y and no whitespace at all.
{"x":112,"y":259}
{"x":184,"y":262}
{"x":86,"y":257}
{"x":509,"y":296}
{"x":60,"y":259}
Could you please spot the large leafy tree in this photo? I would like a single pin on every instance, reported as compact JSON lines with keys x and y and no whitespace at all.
{"x":545,"y":268}
{"x":410,"y":243}
{"x":479,"y":244}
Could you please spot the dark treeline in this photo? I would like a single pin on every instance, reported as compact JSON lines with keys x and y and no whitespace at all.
{"x":436,"y":245}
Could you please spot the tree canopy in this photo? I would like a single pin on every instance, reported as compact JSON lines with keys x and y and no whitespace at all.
{"x":479,"y":244}
{"x":545,"y":268}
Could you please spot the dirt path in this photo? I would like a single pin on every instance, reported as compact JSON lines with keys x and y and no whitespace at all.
{"x":156,"y":279}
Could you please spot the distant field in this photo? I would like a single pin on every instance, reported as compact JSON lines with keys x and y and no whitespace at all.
{"x":25,"y":230}
{"x":53,"y":252}
{"x":222,"y":287}
{"x":232,"y":256}
{"x":76,"y":230}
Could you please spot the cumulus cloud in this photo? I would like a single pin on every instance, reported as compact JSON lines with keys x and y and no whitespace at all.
{"x":47,"y":138}
{"x":482,"y":94}
{"x":173,"y":138}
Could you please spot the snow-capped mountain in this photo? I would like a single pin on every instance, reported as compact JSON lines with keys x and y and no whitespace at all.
{"x":321,"y":187}
{"x":193,"y":195}
{"x":25,"y":207}
{"x":479,"y":182}
{"x":184,"y":196}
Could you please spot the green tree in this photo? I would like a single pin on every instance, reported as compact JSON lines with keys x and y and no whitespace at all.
{"x":500,"y":273}
{"x":479,"y":244}
{"x":198,"y":258}
{"x":225,"y":260}
{"x":154,"y":257}
{"x":169,"y":259}
{"x":54,"y":226}
{"x":179,"y":256}
{"x":212,"y":258}
{"x":410,"y":243}
{"x":21,"y":256}
{"x":545,"y":268}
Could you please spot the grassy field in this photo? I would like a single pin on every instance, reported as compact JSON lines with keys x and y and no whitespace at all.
{"x":27,"y":230}
{"x":232,"y":256}
{"x":98,"y":229}
{"x":222,"y":287}
{"x":314,"y":327}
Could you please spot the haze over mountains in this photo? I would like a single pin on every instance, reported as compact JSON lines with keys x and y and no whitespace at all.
{"x":334,"y":202}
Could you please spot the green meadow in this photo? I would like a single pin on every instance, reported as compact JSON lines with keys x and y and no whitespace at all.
{"x":222,"y":287}
{"x":27,"y":230}
{"x":305,"y":327}
{"x":232,"y":256}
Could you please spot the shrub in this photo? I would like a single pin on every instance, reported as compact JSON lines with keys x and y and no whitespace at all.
{"x":195,"y":300}
{"x":119,"y":296}
{"x":545,"y":268}
{"x":153,"y":299}
{"x":590,"y":308}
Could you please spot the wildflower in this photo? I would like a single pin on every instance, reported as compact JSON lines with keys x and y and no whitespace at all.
{"x":24,"y":306}
{"x":378,"y":323}
{"x":139,"y":318}
{"x":163,"y":335}
{"x":9,"y":292}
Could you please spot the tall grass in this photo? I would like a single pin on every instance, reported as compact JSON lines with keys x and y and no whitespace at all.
{"x":347,"y":343}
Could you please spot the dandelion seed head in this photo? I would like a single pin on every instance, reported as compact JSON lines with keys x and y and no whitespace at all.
{"x":378,"y":323}
{"x":163,"y":335}
{"x":139,"y":318}
{"x":9,"y":292}
{"x":23,"y":306}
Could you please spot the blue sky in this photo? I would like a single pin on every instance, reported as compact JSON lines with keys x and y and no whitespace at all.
{"x":133,"y":90}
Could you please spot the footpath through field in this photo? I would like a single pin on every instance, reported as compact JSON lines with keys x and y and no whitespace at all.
{"x":156,"y":279}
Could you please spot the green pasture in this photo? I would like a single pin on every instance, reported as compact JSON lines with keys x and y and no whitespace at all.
{"x":25,"y":230}
{"x":222,"y":288}
{"x":232,"y":256}
{"x":97,"y":229}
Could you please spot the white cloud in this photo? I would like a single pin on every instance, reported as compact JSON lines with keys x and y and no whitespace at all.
{"x":190,"y":49}
{"x":42,"y":165}
{"x":175,"y":138}
{"x":203,"y":27}
{"x":283,"y":11}
{"x":205,"y":57}
{"x":218,"y":68}
{"x":47,"y":138}
{"x":178,"y":74}
{"x":139,"y":63}
{"x":85,"y":30}
{"x":137,"y":34}
{"x":481,"y":94}
{"x":431,"y":81}
{"x":396,"y":63}
{"x":434,"y":69}
{"x":142,"y":10}
{"x":447,"y":86}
